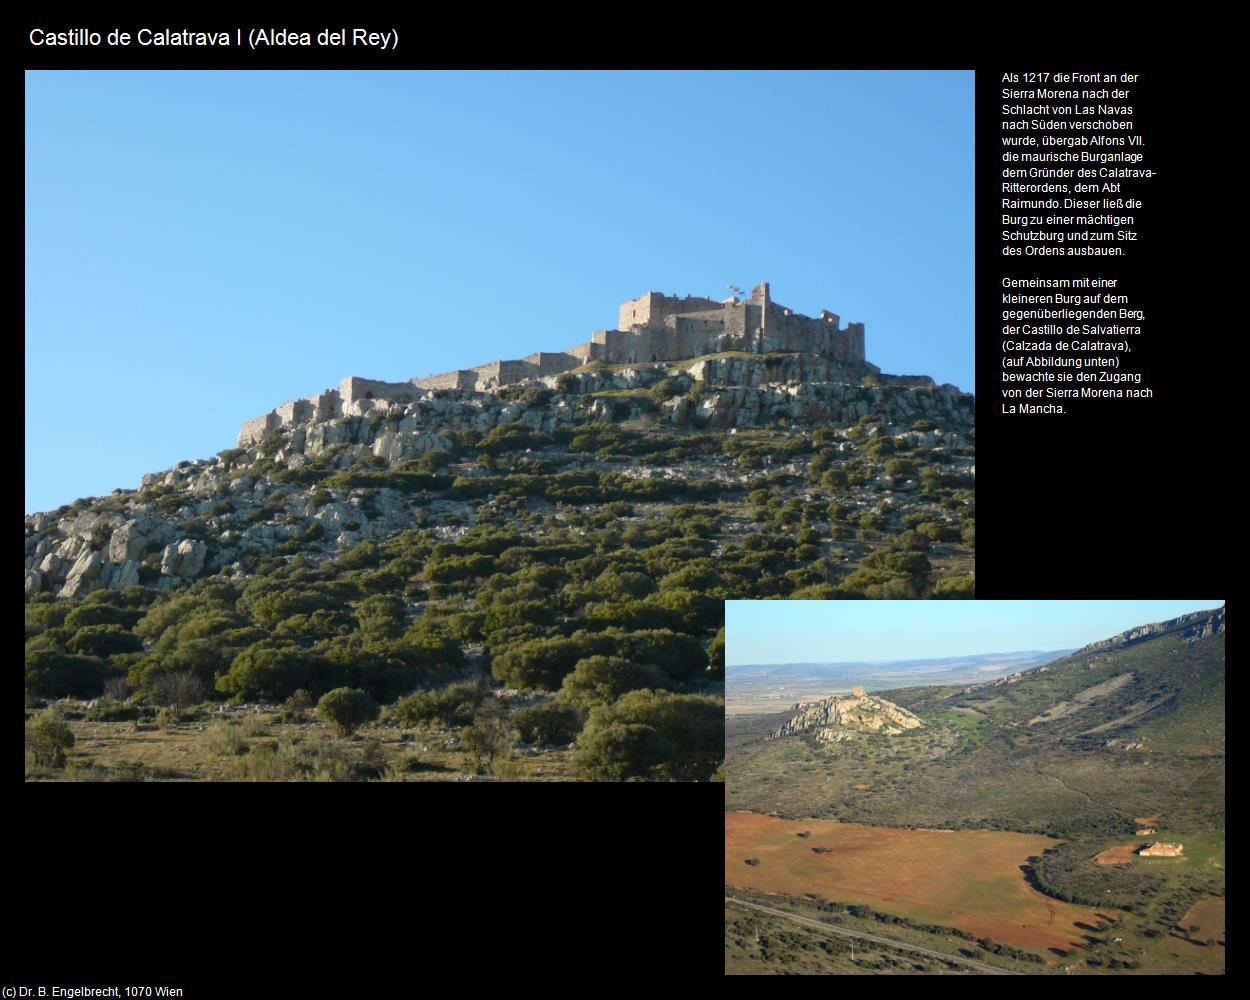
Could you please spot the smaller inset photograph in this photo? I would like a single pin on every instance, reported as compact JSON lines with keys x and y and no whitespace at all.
{"x":974,"y":788}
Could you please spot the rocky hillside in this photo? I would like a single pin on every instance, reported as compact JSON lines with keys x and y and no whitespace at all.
{"x":571,"y":538}
{"x":1198,"y":625}
{"x":830,"y":718}
{"x":886,"y":455}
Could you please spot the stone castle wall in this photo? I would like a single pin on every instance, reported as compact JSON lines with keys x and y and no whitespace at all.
{"x":462,"y":378}
{"x":654,"y":327}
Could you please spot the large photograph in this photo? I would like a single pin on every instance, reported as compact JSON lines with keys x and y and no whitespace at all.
{"x":417,"y":426}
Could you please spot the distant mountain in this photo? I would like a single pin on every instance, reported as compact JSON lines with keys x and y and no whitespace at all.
{"x":893,"y":673}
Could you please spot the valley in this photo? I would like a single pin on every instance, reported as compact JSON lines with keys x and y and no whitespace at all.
{"x":1077,"y":754}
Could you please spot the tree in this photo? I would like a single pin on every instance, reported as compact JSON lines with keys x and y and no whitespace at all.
{"x":347,"y":708}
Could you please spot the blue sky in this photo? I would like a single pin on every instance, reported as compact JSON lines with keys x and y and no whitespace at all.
{"x":836,"y":631}
{"x":201,"y":247}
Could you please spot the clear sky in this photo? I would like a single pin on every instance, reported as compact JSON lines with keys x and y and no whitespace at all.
{"x":838,"y":631}
{"x":201,"y":247}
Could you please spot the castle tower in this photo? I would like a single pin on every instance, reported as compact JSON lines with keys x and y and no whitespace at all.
{"x":857,"y":692}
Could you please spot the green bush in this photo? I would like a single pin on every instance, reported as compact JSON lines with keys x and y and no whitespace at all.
{"x":603,"y":679}
{"x":454,"y":705}
{"x":956,"y":587}
{"x":276,"y":672}
{"x":550,"y":722}
{"x":347,"y":708}
{"x":48,"y":737}
{"x":54,"y":674}
{"x":617,"y":751}
{"x":654,"y":735}
{"x":104,"y":640}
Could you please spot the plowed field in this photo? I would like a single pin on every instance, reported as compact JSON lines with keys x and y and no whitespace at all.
{"x":967,"y":879}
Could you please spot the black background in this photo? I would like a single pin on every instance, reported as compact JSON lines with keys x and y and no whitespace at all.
{"x":290,"y":890}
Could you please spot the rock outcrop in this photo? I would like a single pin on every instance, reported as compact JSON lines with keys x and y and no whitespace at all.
{"x":1198,"y":625}
{"x":318,"y":479}
{"x":833,"y":717}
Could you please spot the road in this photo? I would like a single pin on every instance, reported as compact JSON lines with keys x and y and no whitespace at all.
{"x":981,"y":966}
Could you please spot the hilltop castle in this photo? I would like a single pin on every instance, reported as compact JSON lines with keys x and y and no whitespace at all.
{"x":653,"y":327}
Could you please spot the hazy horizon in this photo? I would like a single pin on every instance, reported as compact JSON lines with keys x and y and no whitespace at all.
{"x":763,"y":633}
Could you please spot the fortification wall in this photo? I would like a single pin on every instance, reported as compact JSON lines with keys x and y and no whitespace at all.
{"x":589,"y":351}
{"x":327,"y":405}
{"x":654,"y":327}
{"x":296,"y":411}
{"x":786,"y":330}
{"x":253,"y":430}
{"x":461,"y":378}
{"x":353,"y":389}
{"x":552,"y":362}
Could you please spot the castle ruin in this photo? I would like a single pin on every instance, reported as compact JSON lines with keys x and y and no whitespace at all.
{"x":1161,"y":850}
{"x":652,"y":328}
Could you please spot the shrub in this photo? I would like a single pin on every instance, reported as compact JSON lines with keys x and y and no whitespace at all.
{"x":956,"y":587}
{"x":491,"y":735}
{"x":269,"y":672}
{"x":179,"y":690}
{"x":603,"y":679}
{"x":225,"y":739}
{"x":48,"y":737}
{"x":54,"y":674}
{"x":108,"y":710}
{"x":619,"y":751}
{"x":453,"y":705}
{"x":654,"y":734}
{"x":296,"y":707}
{"x":347,"y":708}
{"x":551,"y":722}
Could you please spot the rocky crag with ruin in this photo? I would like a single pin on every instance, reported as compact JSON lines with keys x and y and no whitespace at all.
{"x":833,"y":719}
{"x":653,"y":328}
{"x":362,"y":462}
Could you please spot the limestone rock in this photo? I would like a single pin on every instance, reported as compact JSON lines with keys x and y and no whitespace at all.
{"x":183,"y":559}
{"x":85,"y":569}
{"x":124,"y":575}
{"x":863,"y":713}
{"x":127,"y":543}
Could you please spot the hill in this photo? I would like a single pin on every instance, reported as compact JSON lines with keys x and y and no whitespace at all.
{"x":567,"y":540}
{"x":834,"y":719}
{"x":1121,"y":729}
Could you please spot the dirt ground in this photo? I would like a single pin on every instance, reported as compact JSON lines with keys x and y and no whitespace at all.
{"x":1122,"y":854}
{"x":968,"y":879}
{"x":1208,"y":914}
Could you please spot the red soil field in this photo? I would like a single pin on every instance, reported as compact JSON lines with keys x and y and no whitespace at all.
{"x":1208,"y":914}
{"x":968,"y":879}
{"x":1120,"y":855}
